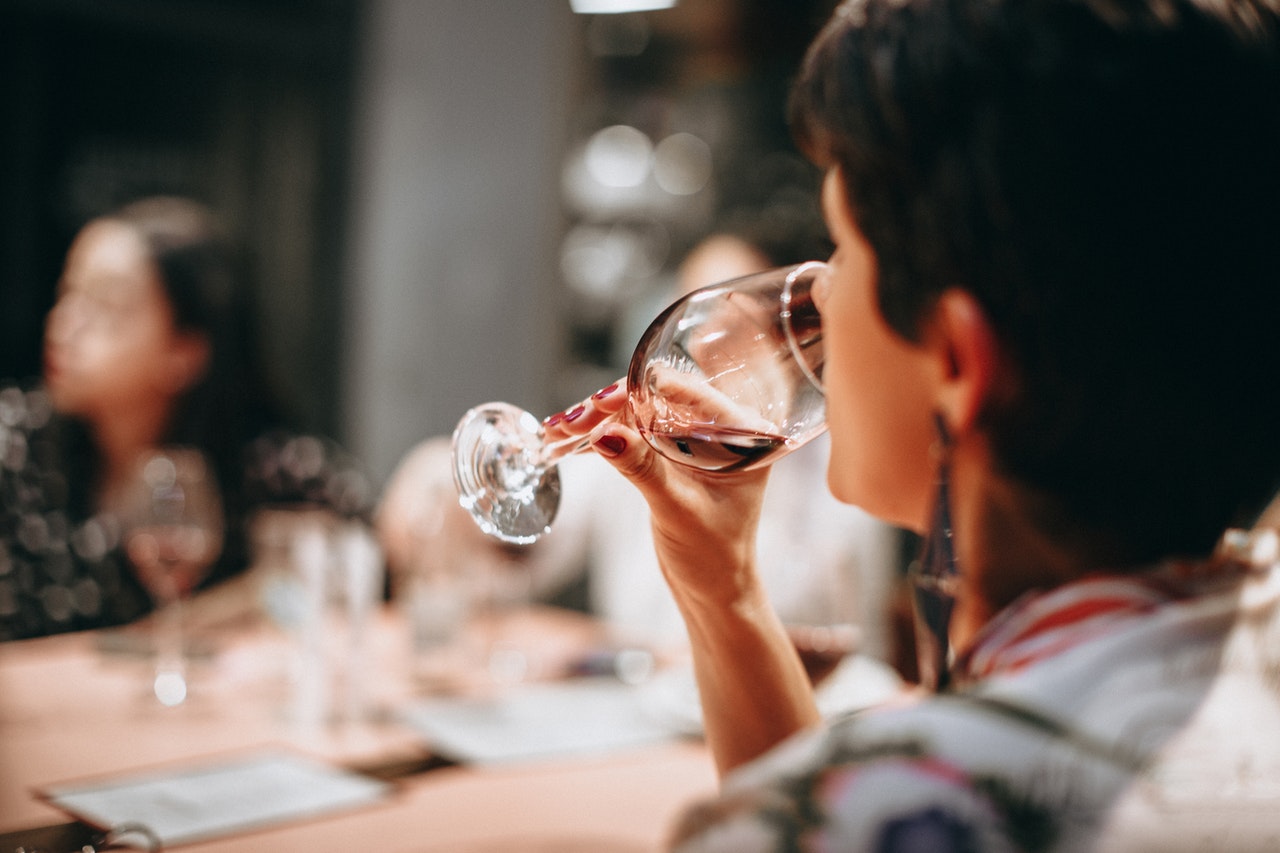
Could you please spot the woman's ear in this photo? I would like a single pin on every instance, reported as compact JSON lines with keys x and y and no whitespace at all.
{"x":968,"y":356}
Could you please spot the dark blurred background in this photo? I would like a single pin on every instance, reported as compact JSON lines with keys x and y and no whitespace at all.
{"x":442,"y":202}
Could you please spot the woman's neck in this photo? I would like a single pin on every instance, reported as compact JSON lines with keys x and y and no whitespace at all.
{"x":120,"y":439}
{"x":1001,"y":554}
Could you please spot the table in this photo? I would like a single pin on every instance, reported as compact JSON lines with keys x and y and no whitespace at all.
{"x":70,"y":711}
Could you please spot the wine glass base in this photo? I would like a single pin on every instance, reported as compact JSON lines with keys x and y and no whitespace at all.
{"x":496,"y":452}
{"x":170,"y":687}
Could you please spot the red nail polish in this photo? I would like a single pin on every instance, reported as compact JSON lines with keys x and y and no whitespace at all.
{"x":611,"y":445}
{"x":605,"y":392}
{"x":554,"y":419}
{"x":574,"y":414}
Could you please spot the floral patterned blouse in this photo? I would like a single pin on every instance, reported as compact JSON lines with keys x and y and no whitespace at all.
{"x":1114,"y":713}
{"x":62,"y":567}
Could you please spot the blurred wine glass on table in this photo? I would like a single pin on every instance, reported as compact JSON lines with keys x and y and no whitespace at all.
{"x":727,"y":378}
{"x":436,"y":588}
{"x":173,"y":529}
{"x":822,"y":648}
{"x":462,"y":592}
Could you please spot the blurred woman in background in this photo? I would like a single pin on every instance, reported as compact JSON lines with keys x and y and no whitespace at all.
{"x":149,"y":343}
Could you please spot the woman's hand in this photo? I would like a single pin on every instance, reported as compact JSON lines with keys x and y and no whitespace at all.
{"x":704,"y":524}
{"x":754,"y":690}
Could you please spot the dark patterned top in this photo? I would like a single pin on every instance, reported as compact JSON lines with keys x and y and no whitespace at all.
{"x":62,"y":567}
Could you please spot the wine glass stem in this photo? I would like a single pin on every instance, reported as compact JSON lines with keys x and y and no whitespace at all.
{"x":557,"y":450}
{"x":170,"y":659}
{"x":552,"y":452}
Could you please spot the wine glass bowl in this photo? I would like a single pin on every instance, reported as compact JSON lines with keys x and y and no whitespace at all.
{"x":727,"y":378}
{"x":730,"y":376}
{"x":173,"y":525}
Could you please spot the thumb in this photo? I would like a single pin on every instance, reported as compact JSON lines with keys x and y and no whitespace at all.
{"x":627,"y":451}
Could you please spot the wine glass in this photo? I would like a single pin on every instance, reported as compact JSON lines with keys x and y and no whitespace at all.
{"x":728,"y":378}
{"x":173,"y":533}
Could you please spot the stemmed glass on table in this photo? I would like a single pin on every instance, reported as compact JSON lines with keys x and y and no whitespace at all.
{"x":728,"y":378}
{"x":173,"y":529}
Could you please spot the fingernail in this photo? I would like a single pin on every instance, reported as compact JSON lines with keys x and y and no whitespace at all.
{"x":611,"y":445}
{"x":575,"y":413}
{"x":554,"y":419}
{"x":605,"y":392}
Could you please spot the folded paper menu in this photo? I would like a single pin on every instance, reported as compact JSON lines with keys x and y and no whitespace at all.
{"x":218,"y":797}
{"x":537,"y":721}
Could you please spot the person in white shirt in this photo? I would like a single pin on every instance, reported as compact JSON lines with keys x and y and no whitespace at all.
{"x":826,"y":564}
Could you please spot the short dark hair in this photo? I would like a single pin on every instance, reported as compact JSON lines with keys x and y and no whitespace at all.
{"x":1104,"y":177}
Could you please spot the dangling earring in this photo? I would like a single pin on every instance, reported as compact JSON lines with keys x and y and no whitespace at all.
{"x":935,"y":579}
